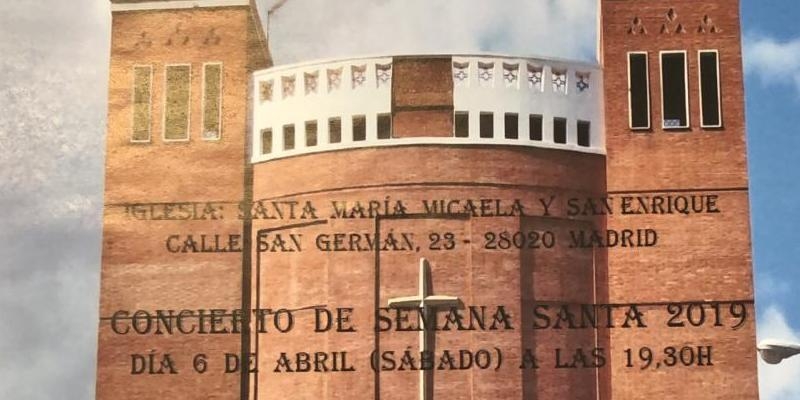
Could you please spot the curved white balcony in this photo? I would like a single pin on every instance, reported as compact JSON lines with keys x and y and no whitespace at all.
{"x":341,"y":104}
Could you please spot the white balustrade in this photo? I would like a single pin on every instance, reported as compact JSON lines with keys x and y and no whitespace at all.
{"x":497,"y":87}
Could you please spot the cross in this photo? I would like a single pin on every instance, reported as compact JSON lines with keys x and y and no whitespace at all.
{"x":427,"y":303}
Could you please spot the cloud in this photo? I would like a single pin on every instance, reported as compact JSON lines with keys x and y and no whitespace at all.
{"x":778,"y":382}
{"x":774,"y":62}
{"x":771,"y":288}
{"x":53,"y":98}
{"x":313,"y":29}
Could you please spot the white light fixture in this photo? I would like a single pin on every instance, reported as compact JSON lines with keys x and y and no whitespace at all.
{"x":774,"y":351}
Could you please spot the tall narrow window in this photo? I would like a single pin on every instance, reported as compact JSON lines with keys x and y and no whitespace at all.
{"x":176,"y":102}
{"x":461,"y":124}
{"x":142,"y":95}
{"x":560,"y":130}
{"x":709,"y":89}
{"x":212,"y":101}
{"x":638,"y":91}
{"x":674,"y":96}
{"x":584,"y":133}
{"x":487,"y":125}
{"x":384,"y":126}
{"x":311,"y":133}
{"x":288,"y":137}
{"x":512,"y":126}
{"x":359,"y":128}
{"x":535,"y":127}
{"x":266,"y":141}
{"x":335,"y":130}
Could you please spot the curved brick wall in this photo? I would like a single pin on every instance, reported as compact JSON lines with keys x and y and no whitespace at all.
{"x":478,"y":275}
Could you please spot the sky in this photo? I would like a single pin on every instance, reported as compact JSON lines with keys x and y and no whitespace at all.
{"x":53,"y":93}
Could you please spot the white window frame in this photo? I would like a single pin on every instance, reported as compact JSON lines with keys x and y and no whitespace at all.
{"x":391,"y":125}
{"x":353,"y":127}
{"x":164,"y":108}
{"x":203,"y":105}
{"x":305,"y":132}
{"x":492,"y":124}
{"x":566,"y":130}
{"x":686,"y":88}
{"x":456,"y":113}
{"x":578,"y":130}
{"x":328,"y":121}
{"x":149,"y":102}
{"x":283,"y":137}
{"x":260,"y":143}
{"x":541,"y":127}
{"x":700,"y":88}
{"x":505,"y":127}
{"x":630,"y":100}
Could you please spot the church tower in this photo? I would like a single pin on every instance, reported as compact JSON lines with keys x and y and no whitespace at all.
{"x":674,"y":107}
{"x":177,"y":142}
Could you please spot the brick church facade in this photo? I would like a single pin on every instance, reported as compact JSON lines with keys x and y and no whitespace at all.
{"x":578,"y":230}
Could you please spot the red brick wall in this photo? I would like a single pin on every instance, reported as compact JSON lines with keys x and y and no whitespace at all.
{"x":137,"y":271}
{"x":703,"y":257}
{"x":659,"y":159}
{"x":422,"y":96}
{"x":478,"y":276}
{"x":699,"y":257}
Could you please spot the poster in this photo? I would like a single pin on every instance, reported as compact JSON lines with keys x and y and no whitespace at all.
{"x":398,"y":220}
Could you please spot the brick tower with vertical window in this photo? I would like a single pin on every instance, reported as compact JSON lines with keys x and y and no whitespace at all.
{"x":177,"y":132}
{"x":674,"y":116}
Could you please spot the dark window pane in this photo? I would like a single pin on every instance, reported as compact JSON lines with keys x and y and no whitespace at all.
{"x":384,"y":126}
{"x":560,"y":130}
{"x":335,"y":130}
{"x":487,"y":125}
{"x":311,"y":133}
{"x":639,"y":91}
{"x":584,"y":133}
{"x":512,"y":126}
{"x":535,"y":128}
{"x":462,"y":124}
{"x":266,"y":141}
{"x":673,"y":78}
{"x":359,"y":128}
{"x":288,"y":137}
{"x":709,"y":86}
